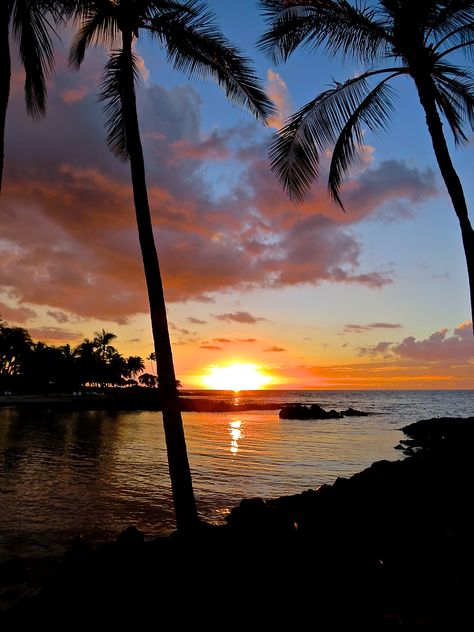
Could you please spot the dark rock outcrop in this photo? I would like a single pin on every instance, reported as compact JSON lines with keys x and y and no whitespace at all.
{"x":314,"y":411}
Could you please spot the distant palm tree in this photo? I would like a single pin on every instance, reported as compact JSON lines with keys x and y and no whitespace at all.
{"x":148,"y":380}
{"x":193,"y":44}
{"x":102,"y":340}
{"x":135,"y":365}
{"x":30,"y":23}
{"x":15,"y":345}
{"x":421,"y":39}
{"x":152,"y":358}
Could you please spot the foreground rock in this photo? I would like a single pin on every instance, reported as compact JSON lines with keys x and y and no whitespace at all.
{"x":390,"y":547}
{"x":299,"y":411}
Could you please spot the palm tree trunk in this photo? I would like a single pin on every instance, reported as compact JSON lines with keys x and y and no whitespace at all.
{"x":5,"y":76}
{"x":450,"y":177}
{"x":180,"y":474}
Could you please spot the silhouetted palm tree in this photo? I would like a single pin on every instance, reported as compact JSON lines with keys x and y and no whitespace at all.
{"x":194,"y":45}
{"x":102,"y":340}
{"x":15,"y":345}
{"x":30,"y":23}
{"x":135,"y":365}
{"x":148,"y":380}
{"x":421,"y":39}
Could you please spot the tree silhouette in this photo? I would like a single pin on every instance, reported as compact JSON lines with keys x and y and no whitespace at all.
{"x":135,"y":365}
{"x":101,"y":342}
{"x":148,"y":380}
{"x":15,"y":345}
{"x":32,"y":367}
{"x":30,"y":23}
{"x":194,"y":45}
{"x":421,"y":39}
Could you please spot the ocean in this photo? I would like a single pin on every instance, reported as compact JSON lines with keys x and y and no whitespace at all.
{"x":95,"y":473}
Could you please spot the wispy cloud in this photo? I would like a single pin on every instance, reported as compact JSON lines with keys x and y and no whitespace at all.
{"x":195,"y":321}
{"x":239,"y":317}
{"x":355,"y":328}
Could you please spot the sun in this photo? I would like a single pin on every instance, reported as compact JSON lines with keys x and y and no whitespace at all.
{"x":236,"y":377}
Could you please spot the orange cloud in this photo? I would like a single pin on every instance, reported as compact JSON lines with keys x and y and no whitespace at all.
{"x":16,"y":315}
{"x":69,"y":239}
{"x":278,"y":92}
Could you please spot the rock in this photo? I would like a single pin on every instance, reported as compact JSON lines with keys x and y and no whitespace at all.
{"x":131,"y":537}
{"x":352,"y":412}
{"x":298,"y":411}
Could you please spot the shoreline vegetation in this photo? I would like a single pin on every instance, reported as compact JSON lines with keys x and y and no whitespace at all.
{"x":389,"y":547}
{"x":134,"y":398}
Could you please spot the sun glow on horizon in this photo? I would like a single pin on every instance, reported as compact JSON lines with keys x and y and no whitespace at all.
{"x":236,"y":377}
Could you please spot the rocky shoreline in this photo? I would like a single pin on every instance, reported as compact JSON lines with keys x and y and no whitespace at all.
{"x":389,"y":547}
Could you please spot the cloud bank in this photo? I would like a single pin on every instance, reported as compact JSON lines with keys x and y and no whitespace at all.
{"x":69,"y":239}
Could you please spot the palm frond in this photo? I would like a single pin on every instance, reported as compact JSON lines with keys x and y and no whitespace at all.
{"x":111,"y":94}
{"x":450,"y":17}
{"x":180,"y":8}
{"x":294,"y":157}
{"x":374,"y":112}
{"x":461,"y":40}
{"x":98,"y":26}
{"x":455,"y":98}
{"x":294,"y":154}
{"x":336,"y":25}
{"x":196,"y":47}
{"x":32,"y":30}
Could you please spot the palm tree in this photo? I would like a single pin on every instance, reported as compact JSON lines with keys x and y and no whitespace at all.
{"x":148,"y":380}
{"x":15,"y":345}
{"x":421,"y":39}
{"x":193,"y":44}
{"x":135,"y":365}
{"x":30,"y":23}
{"x":102,"y":340}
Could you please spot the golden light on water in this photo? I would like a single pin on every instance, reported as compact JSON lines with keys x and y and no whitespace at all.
{"x":235,"y":435}
{"x":236,"y":377}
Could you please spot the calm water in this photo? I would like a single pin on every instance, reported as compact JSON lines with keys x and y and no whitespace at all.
{"x":95,"y":473}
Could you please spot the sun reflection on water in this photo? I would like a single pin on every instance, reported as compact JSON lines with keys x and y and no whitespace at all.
{"x":235,"y":432}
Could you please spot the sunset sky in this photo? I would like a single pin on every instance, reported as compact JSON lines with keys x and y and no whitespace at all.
{"x":373,"y":298}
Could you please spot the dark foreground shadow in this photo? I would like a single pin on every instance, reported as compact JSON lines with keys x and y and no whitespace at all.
{"x":391,"y":547}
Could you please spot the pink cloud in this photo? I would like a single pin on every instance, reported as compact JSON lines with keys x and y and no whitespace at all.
{"x":438,"y":347}
{"x":69,"y":239}
{"x":54,"y":334}
{"x":214,"y":147}
{"x":16,"y":315}
{"x":381,"y":348}
{"x":278,"y":92}
{"x":74,"y":95}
